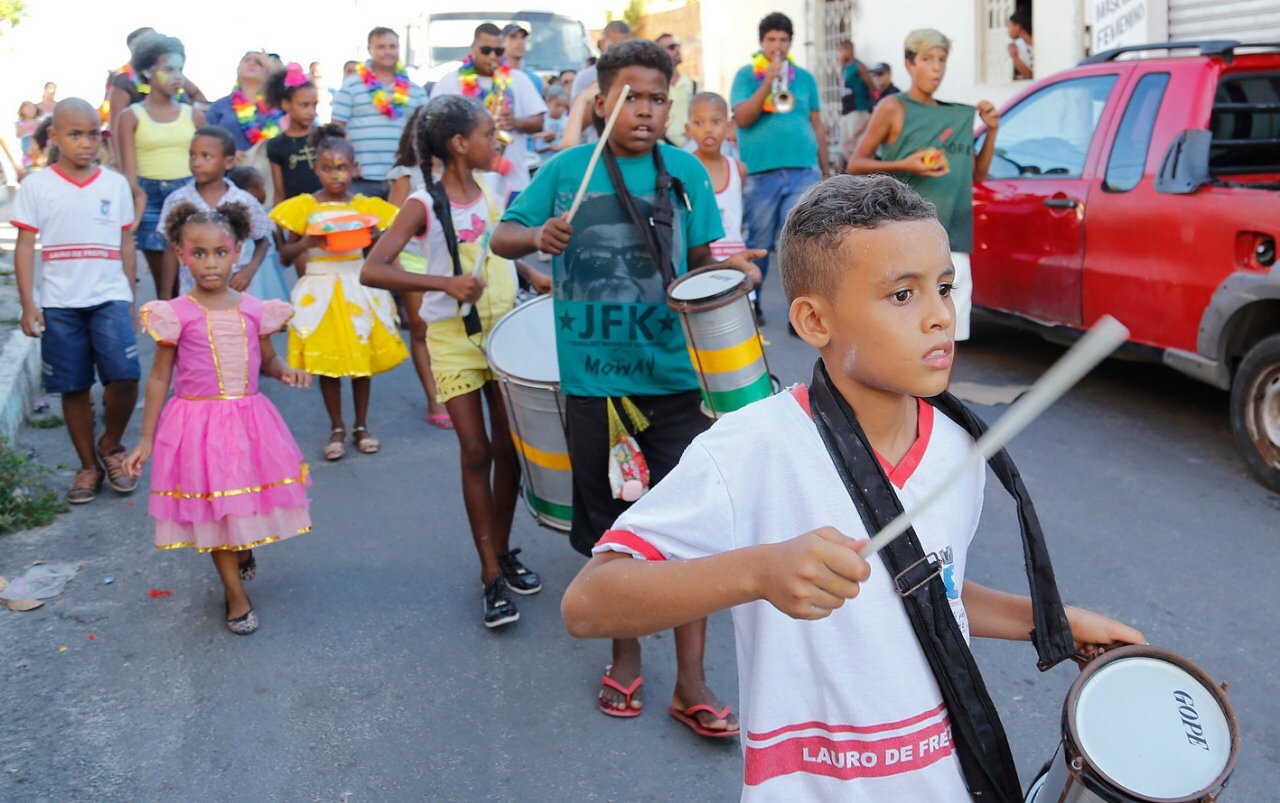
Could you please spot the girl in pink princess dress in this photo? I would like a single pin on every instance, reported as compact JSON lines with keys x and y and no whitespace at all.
{"x":227,"y":475}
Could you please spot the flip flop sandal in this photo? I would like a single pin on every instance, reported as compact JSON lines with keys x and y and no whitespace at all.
{"x":366,"y":444}
{"x":687,"y":717}
{"x":441,"y":420}
{"x":85,"y":486}
{"x":336,"y":447}
{"x":626,"y":691}
{"x":117,"y":478}
{"x":249,"y":568}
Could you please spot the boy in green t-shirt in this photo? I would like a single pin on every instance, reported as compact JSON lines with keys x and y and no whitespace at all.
{"x":615,"y":336}
{"x":928,"y":144}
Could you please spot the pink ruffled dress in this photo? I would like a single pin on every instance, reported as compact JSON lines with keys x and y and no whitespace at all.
{"x":225,"y":472}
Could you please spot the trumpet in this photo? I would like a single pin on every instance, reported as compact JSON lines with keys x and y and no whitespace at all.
{"x":783,"y":100}
{"x":497,"y":101}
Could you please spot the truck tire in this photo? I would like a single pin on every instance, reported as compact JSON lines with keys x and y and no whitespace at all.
{"x":1255,"y":411}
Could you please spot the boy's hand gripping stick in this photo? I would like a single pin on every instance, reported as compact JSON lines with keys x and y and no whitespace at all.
{"x":595,"y":155}
{"x":1105,"y":336}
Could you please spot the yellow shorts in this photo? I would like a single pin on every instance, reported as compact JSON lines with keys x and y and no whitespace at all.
{"x":458,"y":363}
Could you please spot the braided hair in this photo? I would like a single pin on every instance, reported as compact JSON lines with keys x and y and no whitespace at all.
{"x":444,"y":118}
{"x":234,"y":217}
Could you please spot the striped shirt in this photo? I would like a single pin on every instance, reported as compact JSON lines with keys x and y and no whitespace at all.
{"x":374,"y":135}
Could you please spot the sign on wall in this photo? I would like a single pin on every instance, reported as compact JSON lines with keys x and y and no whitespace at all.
{"x":1117,"y":23}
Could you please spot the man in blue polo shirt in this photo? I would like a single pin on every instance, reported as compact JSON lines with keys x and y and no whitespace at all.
{"x":785,"y":152}
{"x":373,"y":114}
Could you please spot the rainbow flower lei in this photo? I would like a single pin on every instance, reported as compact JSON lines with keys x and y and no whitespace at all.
{"x":257,"y":120}
{"x":760,"y":63}
{"x":389,"y":103}
{"x":470,"y":81}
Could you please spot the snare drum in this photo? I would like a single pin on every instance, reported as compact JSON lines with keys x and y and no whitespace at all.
{"x":724,"y":344}
{"x":1141,"y":724}
{"x":522,"y":354}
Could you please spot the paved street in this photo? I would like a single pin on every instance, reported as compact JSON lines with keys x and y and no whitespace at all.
{"x":372,"y":677}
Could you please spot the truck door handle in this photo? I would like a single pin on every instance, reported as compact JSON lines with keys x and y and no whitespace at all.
{"x":1061,"y":203}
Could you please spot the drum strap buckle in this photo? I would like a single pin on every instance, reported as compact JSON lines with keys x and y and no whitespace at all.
{"x":918,"y":574}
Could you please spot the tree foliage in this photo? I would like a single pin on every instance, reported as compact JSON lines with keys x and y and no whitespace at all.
{"x":11,"y":11}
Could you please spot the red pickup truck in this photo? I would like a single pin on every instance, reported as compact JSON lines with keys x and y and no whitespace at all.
{"x":1148,"y":188}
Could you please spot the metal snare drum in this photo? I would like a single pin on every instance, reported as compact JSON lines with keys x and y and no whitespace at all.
{"x":522,"y":354}
{"x":1141,"y":724}
{"x":724,"y":344}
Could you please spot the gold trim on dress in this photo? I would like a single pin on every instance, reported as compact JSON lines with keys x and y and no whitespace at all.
{"x":228,"y":548}
{"x":215,"y":398}
{"x":178,"y":493}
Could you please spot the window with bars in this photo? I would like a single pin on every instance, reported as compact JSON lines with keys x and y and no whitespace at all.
{"x":997,"y":67}
{"x":833,"y":27}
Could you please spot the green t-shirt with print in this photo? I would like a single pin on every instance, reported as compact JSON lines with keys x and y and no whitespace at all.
{"x":775,"y":140}
{"x":615,"y":335}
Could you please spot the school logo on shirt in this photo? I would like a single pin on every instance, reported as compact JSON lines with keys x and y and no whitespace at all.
{"x":946,"y":557}
{"x":847,"y":751}
{"x":104,"y":207}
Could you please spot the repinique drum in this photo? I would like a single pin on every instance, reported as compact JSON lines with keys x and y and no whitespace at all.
{"x":724,"y":344}
{"x":522,"y":354}
{"x":1141,"y":724}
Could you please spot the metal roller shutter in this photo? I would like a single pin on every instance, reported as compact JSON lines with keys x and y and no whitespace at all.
{"x":1243,"y":20}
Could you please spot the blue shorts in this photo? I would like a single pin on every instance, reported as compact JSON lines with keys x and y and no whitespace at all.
{"x":148,"y":236}
{"x":77,"y":340}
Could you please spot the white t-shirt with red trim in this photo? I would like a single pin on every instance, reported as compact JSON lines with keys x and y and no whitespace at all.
{"x":845,"y":708}
{"x":80,"y":226}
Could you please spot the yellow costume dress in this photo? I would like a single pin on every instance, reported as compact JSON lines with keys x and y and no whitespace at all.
{"x":339,"y":327}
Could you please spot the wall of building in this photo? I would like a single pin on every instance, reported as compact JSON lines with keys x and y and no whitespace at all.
{"x":730,"y":35}
{"x":685,"y":23}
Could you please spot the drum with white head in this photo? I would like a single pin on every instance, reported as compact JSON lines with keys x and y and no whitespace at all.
{"x":522,"y":354}
{"x":724,"y":344}
{"x":1141,"y":724}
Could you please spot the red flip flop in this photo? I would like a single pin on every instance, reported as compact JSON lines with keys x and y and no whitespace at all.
{"x":687,"y":717}
{"x":625,"y":691}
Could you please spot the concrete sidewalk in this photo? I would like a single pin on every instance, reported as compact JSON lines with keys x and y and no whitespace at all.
{"x":19,"y":354}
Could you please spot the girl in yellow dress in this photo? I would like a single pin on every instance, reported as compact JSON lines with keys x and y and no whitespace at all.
{"x":340,"y":327}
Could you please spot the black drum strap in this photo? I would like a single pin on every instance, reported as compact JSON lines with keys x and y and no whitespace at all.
{"x":658,"y":230}
{"x":981,"y":744}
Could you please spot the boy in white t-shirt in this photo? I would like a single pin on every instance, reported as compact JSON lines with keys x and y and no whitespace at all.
{"x":84,"y":316}
{"x":756,"y":518}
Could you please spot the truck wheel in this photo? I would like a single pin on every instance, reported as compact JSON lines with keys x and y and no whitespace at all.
{"x":1255,"y":411}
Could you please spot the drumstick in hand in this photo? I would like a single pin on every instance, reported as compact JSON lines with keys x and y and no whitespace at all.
{"x":1093,"y":348}
{"x":595,"y":155}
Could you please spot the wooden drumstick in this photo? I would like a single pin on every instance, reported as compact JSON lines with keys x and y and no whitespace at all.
{"x":595,"y":155}
{"x":1105,"y":336}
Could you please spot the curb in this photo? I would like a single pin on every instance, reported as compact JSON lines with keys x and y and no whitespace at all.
{"x":19,"y":382}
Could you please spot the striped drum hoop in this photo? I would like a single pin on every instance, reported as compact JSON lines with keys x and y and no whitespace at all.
{"x":724,"y":344}
{"x":522,"y":354}
{"x":1141,"y":724}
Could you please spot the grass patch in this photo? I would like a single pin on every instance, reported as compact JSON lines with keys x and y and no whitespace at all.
{"x":26,"y":498}
{"x":49,"y":421}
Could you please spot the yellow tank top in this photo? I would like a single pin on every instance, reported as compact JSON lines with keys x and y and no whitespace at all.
{"x":163,"y":149}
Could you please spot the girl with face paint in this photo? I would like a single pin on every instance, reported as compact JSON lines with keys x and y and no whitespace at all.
{"x":226,"y":476}
{"x":155,"y":137}
{"x":342,"y":328}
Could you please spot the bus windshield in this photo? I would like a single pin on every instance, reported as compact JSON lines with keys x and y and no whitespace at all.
{"x":555,"y":43}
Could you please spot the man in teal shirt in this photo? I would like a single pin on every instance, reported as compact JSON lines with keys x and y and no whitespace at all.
{"x":785,"y":152}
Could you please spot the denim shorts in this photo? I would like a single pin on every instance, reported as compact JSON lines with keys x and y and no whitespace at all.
{"x":77,"y":340}
{"x":148,"y":237}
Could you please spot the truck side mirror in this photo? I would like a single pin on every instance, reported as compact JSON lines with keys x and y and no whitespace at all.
{"x":1185,"y":167}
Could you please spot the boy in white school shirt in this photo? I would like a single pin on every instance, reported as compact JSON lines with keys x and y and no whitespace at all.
{"x":838,"y":701}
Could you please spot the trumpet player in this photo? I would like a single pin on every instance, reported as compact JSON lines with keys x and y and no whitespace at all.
{"x":780,"y":134}
{"x":509,"y":95}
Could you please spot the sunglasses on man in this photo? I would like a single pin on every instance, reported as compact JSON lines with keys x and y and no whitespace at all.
{"x":485,"y":50}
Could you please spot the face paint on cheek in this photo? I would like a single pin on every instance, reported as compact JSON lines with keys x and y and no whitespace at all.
{"x":161,"y":76}
{"x":186,"y":255}
{"x":847,"y":365}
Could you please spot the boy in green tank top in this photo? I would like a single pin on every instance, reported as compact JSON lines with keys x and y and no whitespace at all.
{"x":928,"y":144}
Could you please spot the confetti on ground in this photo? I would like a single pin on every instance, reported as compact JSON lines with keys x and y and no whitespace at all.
{"x":91,"y":637}
{"x":62,"y":649}
{"x":157,"y":593}
{"x":106,"y":581}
